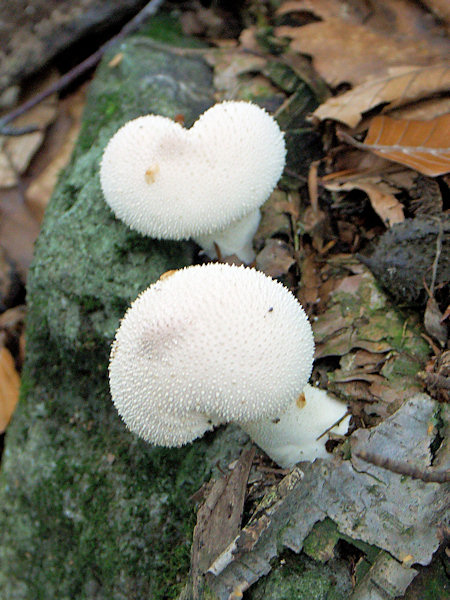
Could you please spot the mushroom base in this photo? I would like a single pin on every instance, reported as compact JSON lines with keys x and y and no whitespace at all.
{"x":236,"y":239}
{"x":293,"y":437}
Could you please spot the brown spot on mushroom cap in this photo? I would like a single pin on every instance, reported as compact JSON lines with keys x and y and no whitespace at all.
{"x":301,"y":401}
{"x":151,"y":173}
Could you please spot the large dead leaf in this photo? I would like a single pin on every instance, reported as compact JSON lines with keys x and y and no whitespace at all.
{"x":399,"y":86}
{"x":403,"y":17}
{"x":421,"y":145}
{"x":354,"y":40}
{"x":9,"y":388}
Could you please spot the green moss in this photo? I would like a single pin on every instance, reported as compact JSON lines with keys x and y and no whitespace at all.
{"x":166,"y":27}
{"x":320,"y":543}
{"x":299,"y":578}
{"x":135,"y":87}
{"x":433,"y":582}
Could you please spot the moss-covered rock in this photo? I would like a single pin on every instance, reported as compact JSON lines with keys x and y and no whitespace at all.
{"x":299,"y":578}
{"x":86,"y":509}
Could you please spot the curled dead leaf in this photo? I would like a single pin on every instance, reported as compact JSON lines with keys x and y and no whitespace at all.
{"x":421,"y":145}
{"x":381,"y":197}
{"x":399,"y":86}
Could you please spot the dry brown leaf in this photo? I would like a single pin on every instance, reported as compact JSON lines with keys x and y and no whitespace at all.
{"x":441,"y":8}
{"x":421,"y":145}
{"x":16,"y":152}
{"x":312,"y":185}
{"x":229,"y":65}
{"x":18,"y":229}
{"x":400,"y":18}
{"x":354,"y":40}
{"x":275,"y":220}
{"x":434,"y":323}
{"x":347,"y":52}
{"x":202,"y":21}
{"x":56,"y":151}
{"x":275,"y":259}
{"x":308,"y":294}
{"x":381,"y":197}
{"x":321,"y":8}
{"x":247,"y":39}
{"x":425,"y":109}
{"x":400,"y":86}
{"x":9,"y":388}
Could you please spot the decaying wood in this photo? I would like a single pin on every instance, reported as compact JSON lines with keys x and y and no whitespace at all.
{"x":219,"y":519}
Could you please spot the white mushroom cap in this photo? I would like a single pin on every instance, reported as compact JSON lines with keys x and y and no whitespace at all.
{"x":172,"y":183}
{"x":207,"y":345}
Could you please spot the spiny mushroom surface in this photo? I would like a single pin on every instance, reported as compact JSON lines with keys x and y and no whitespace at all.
{"x":169,"y":182}
{"x":208,"y":345}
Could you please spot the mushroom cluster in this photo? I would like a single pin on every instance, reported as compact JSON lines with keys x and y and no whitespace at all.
{"x":206,"y":183}
{"x":217,"y":343}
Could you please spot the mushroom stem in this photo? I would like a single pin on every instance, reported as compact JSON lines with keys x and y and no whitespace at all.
{"x":236,"y":239}
{"x":293,"y":437}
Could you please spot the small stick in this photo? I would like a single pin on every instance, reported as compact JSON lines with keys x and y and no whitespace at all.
{"x":429,"y":475}
{"x":436,"y":259}
{"x":149,"y":9}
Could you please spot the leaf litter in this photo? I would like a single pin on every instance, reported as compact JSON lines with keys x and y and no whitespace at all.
{"x":398,"y":519}
{"x":369,"y":350}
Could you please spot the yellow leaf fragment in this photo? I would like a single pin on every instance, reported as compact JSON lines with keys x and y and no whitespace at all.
{"x":116,"y":60}
{"x":9,"y":388}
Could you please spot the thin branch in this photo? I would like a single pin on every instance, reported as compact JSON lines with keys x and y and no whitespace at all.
{"x":18,"y":131}
{"x":429,"y":475}
{"x":437,"y":256}
{"x":149,"y":10}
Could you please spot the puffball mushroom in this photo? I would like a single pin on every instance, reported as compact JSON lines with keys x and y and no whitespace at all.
{"x":205,"y":183}
{"x":216,"y":343}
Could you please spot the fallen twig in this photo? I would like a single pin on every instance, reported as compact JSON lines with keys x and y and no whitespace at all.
{"x":149,"y":10}
{"x":427,"y":474}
